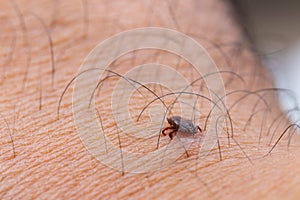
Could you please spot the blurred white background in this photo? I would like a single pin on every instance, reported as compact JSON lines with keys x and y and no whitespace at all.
{"x":273,"y":27}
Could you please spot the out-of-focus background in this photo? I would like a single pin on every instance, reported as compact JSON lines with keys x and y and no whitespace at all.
{"x":273,"y":26}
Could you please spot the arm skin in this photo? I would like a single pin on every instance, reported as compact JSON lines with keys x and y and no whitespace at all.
{"x":51,"y":162}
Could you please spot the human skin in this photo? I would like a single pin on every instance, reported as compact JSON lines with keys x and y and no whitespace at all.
{"x":50,"y":160}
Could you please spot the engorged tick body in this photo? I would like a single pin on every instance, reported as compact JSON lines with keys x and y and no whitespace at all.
{"x":179,"y":124}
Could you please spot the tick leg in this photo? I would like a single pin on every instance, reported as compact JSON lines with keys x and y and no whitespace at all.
{"x":165,"y":129}
{"x":172,"y":134}
{"x":199,"y":129}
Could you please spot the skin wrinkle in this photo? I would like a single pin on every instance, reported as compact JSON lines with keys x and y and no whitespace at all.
{"x":51,"y":161}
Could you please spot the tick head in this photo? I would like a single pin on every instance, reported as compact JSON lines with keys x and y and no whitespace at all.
{"x":173,"y":122}
{"x":170,"y":121}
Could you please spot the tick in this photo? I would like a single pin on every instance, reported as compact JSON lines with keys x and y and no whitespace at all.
{"x":181,"y":125}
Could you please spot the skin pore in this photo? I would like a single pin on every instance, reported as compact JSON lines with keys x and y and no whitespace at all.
{"x":43,"y":44}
